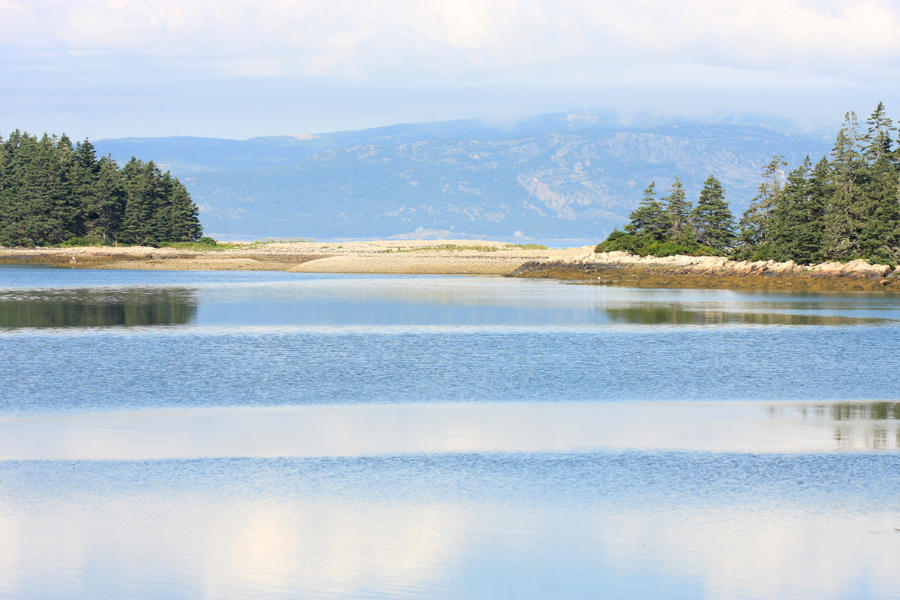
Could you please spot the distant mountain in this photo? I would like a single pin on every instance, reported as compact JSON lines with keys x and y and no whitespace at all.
{"x":557,"y":179}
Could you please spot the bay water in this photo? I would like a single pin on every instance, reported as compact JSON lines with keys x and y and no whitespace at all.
{"x":171,"y":434}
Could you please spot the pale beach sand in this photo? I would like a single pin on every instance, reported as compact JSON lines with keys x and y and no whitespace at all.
{"x":446,"y":257}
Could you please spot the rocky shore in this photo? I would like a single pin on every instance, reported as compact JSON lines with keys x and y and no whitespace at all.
{"x":623,"y":269}
{"x":477,"y":257}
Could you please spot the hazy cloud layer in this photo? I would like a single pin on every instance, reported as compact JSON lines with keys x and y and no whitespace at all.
{"x":570,"y":45}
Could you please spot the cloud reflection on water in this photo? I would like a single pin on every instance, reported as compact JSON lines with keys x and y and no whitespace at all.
{"x":269,"y":543}
{"x":371,"y":430}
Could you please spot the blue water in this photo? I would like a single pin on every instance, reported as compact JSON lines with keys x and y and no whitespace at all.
{"x":780,"y":479}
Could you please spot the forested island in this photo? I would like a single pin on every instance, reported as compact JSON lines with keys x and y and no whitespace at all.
{"x":53,"y":192}
{"x":840,"y":209}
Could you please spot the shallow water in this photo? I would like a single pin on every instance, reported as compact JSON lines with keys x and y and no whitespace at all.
{"x":245,"y":435}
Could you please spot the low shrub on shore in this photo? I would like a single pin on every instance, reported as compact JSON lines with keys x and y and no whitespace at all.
{"x":83,"y":242}
{"x":647,"y":246}
{"x":204,"y":243}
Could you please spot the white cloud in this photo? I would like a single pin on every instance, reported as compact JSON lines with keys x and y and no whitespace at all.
{"x":469,"y":39}
{"x":326,"y":64}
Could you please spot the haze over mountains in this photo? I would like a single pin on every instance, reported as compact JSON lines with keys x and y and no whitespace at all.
{"x":555,"y":179}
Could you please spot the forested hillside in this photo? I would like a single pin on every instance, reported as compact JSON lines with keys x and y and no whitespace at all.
{"x":841,"y":208}
{"x":52,"y":192}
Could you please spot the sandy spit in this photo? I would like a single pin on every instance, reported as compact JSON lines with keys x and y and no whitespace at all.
{"x":444,"y":257}
{"x":476,"y":257}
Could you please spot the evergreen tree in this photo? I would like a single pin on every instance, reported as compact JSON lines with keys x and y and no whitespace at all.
{"x":105,"y":213}
{"x":841,"y":209}
{"x":81,"y":172}
{"x":712,"y":219}
{"x":649,"y":218}
{"x":185,"y":224}
{"x":754,"y":223}
{"x":879,"y":213}
{"x":40,"y":210}
{"x":843,"y":212}
{"x":798,"y":219}
{"x":138,"y":214}
{"x":678,"y":211}
{"x":51,"y":191}
{"x":811,"y":239}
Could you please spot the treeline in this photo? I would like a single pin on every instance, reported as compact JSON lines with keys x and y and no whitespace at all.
{"x":839,"y":209}
{"x":52,"y":192}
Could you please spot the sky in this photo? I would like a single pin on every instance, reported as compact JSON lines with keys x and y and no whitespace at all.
{"x":240,"y":69}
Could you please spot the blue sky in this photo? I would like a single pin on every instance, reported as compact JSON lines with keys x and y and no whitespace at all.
{"x":238,"y":69}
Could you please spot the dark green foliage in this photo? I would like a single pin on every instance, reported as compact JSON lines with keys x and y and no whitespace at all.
{"x":712,"y":220}
{"x":52,"y":192}
{"x":647,"y":246}
{"x":650,"y":219}
{"x":842,"y":220}
{"x":795,"y":231}
{"x":667,"y":228}
{"x":678,"y":210}
{"x":82,"y":241}
{"x":841,"y":209}
{"x":879,"y":235}
{"x":754,"y":224}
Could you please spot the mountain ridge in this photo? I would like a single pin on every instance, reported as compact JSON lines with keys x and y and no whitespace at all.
{"x":561,"y":178}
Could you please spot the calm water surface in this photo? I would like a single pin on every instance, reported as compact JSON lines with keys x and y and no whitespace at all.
{"x":275,"y":435}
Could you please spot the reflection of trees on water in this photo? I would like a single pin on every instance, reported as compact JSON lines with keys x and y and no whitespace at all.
{"x":98,"y":307}
{"x":877,"y":438}
{"x":654,"y":314}
{"x":882,"y":433}
{"x":858,"y":425}
{"x":850,"y":411}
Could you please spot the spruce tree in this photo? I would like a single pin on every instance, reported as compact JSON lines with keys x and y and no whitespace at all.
{"x":185,"y":225}
{"x":712,"y":219}
{"x":649,"y":218}
{"x":678,"y":211}
{"x":51,"y":191}
{"x":796,"y":232}
{"x":811,"y":236}
{"x":40,"y":211}
{"x":754,"y":224}
{"x":138,"y":212}
{"x":844,"y":210}
{"x":82,"y":170}
{"x":879,"y":212}
{"x":105,"y":214}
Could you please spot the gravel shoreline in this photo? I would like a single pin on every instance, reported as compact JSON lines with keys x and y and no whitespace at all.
{"x":476,"y":257}
{"x":449,"y":257}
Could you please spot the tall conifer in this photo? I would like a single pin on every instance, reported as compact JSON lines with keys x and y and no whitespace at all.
{"x":712,"y":219}
{"x":843,"y":219}
{"x":649,"y":218}
{"x":678,"y":211}
{"x":755,"y":223}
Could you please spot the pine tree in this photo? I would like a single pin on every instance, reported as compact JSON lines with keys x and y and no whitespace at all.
{"x":51,"y":191}
{"x":678,"y":211}
{"x":712,"y":219}
{"x":105,"y":214}
{"x":879,"y":212}
{"x":649,"y":218}
{"x":754,"y":223}
{"x":138,"y":213}
{"x":843,"y":212}
{"x":797,"y":220}
{"x":82,"y":171}
{"x":40,"y":212}
{"x":811,"y":235}
{"x":185,"y":225}
{"x":161,"y":225}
